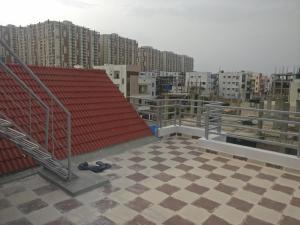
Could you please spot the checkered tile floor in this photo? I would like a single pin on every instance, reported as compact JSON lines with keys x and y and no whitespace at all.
{"x":172,"y":182}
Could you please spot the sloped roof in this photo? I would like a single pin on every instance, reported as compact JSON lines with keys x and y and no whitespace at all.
{"x":101,"y":116}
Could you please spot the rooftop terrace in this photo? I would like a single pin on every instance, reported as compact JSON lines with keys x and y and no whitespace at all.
{"x":172,"y":181}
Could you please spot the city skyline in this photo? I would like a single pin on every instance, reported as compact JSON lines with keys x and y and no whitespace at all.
{"x":233,"y":36}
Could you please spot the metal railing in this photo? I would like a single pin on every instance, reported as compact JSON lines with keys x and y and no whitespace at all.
{"x":57,"y":117}
{"x":269,"y":129}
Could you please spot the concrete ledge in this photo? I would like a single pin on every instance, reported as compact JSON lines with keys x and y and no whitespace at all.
{"x":84,"y":182}
{"x":254,"y":154}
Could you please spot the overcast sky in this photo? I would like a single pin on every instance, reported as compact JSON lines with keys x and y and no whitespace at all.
{"x":255,"y":35}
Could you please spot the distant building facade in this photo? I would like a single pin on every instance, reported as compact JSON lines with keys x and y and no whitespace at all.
{"x":204,"y":82}
{"x":234,"y":85}
{"x":118,"y":50}
{"x":52,"y":43}
{"x":151,"y":59}
{"x":125,"y":77}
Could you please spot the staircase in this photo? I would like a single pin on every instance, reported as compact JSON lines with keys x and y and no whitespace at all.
{"x":32,"y":149}
{"x":28,"y":122}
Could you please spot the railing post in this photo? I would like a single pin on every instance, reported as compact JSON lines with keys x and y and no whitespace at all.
{"x":69,"y":145}
{"x":198,"y":117}
{"x":175,"y":113}
{"x":179,"y":113}
{"x":47,"y":128}
{"x":219,"y":123}
{"x":30,"y":115}
{"x":207,"y":122}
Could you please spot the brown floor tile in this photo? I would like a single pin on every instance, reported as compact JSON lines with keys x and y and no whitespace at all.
{"x":137,"y":177}
{"x":139,"y":220}
{"x":168,"y":189}
{"x":186,"y":143}
{"x":197,"y":189}
{"x":177,"y":153}
{"x":286,"y":220}
{"x":60,"y":221}
{"x":155,"y":152}
{"x":269,"y":203}
{"x":172,"y":147}
{"x":138,"y":204}
{"x":230,"y":167}
{"x":205,"y":203}
{"x":31,"y":206}
{"x":207,"y":167}
{"x":173,"y":203}
{"x":291,"y":177}
{"x":21,"y":221}
{"x":45,"y":189}
{"x":282,"y":188}
{"x":155,"y":147}
{"x":240,"y":204}
{"x":221,"y":159}
{"x":177,"y":220}
{"x":179,"y":159}
{"x":201,"y":159}
{"x":241,"y":177}
{"x":190,"y":177}
{"x":250,"y":220}
{"x":266,"y":177}
{"x":136,"y":159}
{"x":4,"y":203}
{"x":255,"y":189}
{"x":184,"y":167}
{"x":137,"y":167}
{"x":214,"y":220}
{"x":115,"y":167}
{"x":295,"y":201}
{"x":170,"y":142}
{"x":195,"y":153}
{"x":137,"y":189}
{"x":158,"y":159}
{"x":108,"y":189}
{"x":102,"y":220}
{"x":226,"y":189}
{"x":104,"y":204}
{"x":164,"y":177}
{"x":67,"y":205}
{"x":216,"y":177}
{"x":160,"y":167}
{"x":253,"y":167}
{"x":190,"y":147}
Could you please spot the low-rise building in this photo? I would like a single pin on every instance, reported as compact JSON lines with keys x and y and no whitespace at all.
{"x":125,"y":77}
{"x":203,"y":82}
{"x":235,"y":85}
{"x":295,"y":92}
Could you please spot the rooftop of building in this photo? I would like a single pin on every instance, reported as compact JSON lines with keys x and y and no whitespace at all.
{"x":172,"y":181}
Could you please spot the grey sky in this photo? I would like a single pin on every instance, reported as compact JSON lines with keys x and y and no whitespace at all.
{"x":232,"y":34}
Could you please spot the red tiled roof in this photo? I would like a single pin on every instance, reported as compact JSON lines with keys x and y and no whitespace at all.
{"x":101,"y":116}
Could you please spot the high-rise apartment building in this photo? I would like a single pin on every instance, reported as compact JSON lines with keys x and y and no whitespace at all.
{"x":118,"y":50}
{"x":151,"y":59}
{"x":53,"y":43}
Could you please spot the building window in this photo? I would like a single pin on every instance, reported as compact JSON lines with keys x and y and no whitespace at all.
{"x":116,"y":74}
{"x":122,"y":80}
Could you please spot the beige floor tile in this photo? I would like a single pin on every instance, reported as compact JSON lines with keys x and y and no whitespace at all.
{"x":55,"y":196}
{"x":122,"y":182}
{"x":194,"y":214}
{"x":186,"y":196}
{"x":292,"y":211}
{"x":229,"y":214}
{"x":9,"y":214}
{"x":120,"y":214}
{"x":261,"y":182}
{"x":233,"y":182}
{"x":247,"y":196}
{"x":199,"y":172}
{"x":207,"y":182}
{"x":154,"y":196}
{"x":157,"y":214}
{"x":22,"y":197}
{"x":223,"y":172}
{"x":180,"y":182}
{"x":265,"y":214}
{"x":122,"y":196}
{"x":278,"y":196}
{"x":151,"y":182}
{"x":175,"y":172}
{"x":217,"y":196}
{"x":287,"y":182}
{"x":44,"y":215}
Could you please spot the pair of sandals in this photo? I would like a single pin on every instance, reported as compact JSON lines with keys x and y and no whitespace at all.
{"x":98,"y":168}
